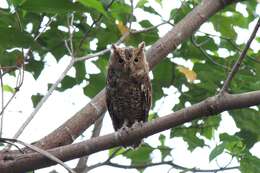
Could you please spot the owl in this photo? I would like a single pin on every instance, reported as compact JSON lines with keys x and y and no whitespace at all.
{"x":128,"y":89}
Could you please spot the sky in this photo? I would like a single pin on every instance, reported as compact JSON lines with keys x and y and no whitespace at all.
{"x":61,"y":106}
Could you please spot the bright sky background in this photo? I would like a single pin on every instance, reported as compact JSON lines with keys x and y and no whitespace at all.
{"x":62,"y":106}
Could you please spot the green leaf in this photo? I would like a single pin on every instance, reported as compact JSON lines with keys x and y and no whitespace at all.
{"x":163,"y":77}
{"x":247,"y":119}
{"x":7,"y":88}
{"x":150,"y":10}
{"x":94,"y":4}
{"x":120,"y":11}
{"x":97,"y":81}
{"x":222,"y":24}
{"x":152,"y":116}
{"x":141,"y":156}
{"x":17,"y":2}
{"x":53,"y":40}
{"x":11,"y":37}
{"x":249,"y":138}
{"x":96,"y":84}
{"x":36,"y":99}
{"x":216,"y":151}
{"x":209,"y":126}
{"x":189,"y":136}
{"x":50,"y":6}
{"x":67,"y":82}
{"x":9,"y":58}
{"x":141,"y":3}
{"x":116,"y":151}
{"x":228,"y":138}
{"x":6,"y":18}
{"x":159,"y":2}
{"x":162,"y":139}
{"x":249,"y":164}
{"x":178,"y":14}
{"x":35,"y":67}
{"x":80,"y":72}
{"x":233,"y":144}
{"x":165,"y":150}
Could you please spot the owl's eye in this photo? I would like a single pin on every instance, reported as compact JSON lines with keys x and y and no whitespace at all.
{"x":136,"y":59}
{"x":120,"y":60}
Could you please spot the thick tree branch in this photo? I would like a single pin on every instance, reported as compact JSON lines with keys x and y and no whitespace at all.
{"x":90,"y":113}
{"x":38,"y":150}
{"x":211,"y":106}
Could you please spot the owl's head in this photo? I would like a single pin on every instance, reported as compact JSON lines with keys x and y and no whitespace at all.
{"x":129,"y":61}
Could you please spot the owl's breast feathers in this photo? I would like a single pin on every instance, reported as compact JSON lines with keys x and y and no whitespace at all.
{"x":128,"y":99}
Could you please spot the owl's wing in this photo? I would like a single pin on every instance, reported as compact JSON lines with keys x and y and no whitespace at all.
{"x":147,"y":93}
{"x":111,"y":111}
{"x":109,"y":99}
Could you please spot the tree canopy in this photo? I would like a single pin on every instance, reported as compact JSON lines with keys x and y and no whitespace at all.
{"x":84,"y":30}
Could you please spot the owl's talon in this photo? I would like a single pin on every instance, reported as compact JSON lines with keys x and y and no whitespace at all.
{"x":138,"y":124}
{"x":122,"y":133}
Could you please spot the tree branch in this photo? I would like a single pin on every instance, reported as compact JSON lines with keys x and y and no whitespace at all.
{"x":32,"y":115}
{"x":211,"y":106}
{"x":240,"y":59}
{"x":158,"y":51}
{"x":40,"y":151}
{"x":175,"y":166}
{"x":82,"y":163}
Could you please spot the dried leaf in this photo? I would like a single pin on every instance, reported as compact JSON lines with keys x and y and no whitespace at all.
{"x":19,"y":60}
{"x":189,"y":74}
{"x":122,"y":28}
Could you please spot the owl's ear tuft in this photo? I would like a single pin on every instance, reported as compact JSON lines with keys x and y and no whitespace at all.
{"x":140,"y":48}
{"x":114,"y":47}
{"x":141,"y":45}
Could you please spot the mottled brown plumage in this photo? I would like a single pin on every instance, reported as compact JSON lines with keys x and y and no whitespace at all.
{"x":128,"y":91}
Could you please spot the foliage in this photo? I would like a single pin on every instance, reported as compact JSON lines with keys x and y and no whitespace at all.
{"x":110,"y":21}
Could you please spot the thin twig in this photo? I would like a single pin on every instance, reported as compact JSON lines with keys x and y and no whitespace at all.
{"x":28,"y":120}
{"x":149,"y":28}
{"x":39,"y":105}
{"x":131,"y":14}
{"x":92,"y":25}
{"x":102,"y":52}
{"x":231,"y":41}
{"x":175,"y":166}
{"x":40,"y":33}
{"x":240,"y":59}
{"x":70,"y":25}
{"x":19,"y":82}
{"x":13,"y":144}
{"x":199,"y":46}
{"x":8,"y":102}
{"x":108,"y":159}
{"x":45,"y":27}
{"x":41,"y":151}
{"x":2,"y":105}
{"x":123,"y":37}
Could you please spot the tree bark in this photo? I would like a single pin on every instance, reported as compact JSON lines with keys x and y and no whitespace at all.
{"x":211,"y":106}
{"x":84,"y":118}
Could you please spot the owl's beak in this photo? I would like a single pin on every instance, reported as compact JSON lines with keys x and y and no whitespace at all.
{"x":128,"y":67}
